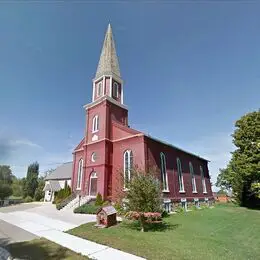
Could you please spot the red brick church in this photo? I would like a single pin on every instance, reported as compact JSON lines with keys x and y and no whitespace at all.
{"x":110,"y":145}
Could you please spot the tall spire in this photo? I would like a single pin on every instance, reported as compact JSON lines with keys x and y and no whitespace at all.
{"x":108,"y":62}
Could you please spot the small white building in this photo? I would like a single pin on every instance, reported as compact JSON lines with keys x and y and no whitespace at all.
{"x":56,"y":180}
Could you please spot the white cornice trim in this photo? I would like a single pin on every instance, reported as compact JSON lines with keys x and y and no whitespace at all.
{"x":101,"y":99}
{"x":109,"y":75}
{"x":114,"y":141}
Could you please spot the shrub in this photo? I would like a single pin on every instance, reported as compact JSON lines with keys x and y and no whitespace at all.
{"x":87,"y":209}
{"x":28,"y":199}
{"x":99,"y":200}
{"x":62,"y":194}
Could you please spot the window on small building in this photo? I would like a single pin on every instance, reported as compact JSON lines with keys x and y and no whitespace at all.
{"x":180,"y":176}
{"x":80,"y":170}
{"x":115,"y":89}
{"x":95,"y":124}
{"x":193,"y":180}
{"x":203,"y":180}
{"x":128,"y":166}
{"x":99,"y":89}
{"x":164,"y":172}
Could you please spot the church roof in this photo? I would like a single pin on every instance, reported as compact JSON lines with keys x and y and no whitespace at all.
{"x":108,"y":62}
{"x":62,"y":172}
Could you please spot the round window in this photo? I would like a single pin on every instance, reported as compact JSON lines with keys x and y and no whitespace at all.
{"x":93,"y":157}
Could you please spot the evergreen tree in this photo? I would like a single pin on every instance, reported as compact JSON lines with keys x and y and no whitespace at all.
{"x":31,"y":179}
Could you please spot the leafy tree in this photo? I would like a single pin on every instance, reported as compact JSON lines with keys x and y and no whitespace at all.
{"x":39,"y":193}
{"x":32,"y":179}
{"x":5,"y":190}
{"x":6,"y":178}
{"x":143,"y":194}
{"x":17,"y":187}
{"x":6,"y":175}
{"x":243,"y":171}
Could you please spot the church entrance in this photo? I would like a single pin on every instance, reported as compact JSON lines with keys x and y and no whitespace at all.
{"x":93,"y":184}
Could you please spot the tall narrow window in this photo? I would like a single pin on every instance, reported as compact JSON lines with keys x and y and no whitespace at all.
{"x":128,"y":165}
{"x":99,"y":89}
{"x":95,"y":124}
{"x":180,"y":176}
{"x":164,"y":173}
{"x":80,"y":170}
{"x":193,"y":180}
{"x":203,"y":180}
{"x":115,"y":89}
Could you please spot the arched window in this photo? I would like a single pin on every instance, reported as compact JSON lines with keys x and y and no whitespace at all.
{"x":95,"y":124}
{"x":115,"y":89}
{"x":128,"y":166}
{"x":164,"y":173}
{"x":203,"y":180}
{"x":99,"y":89}
{"x":180,"y":177}
{"x":193,"y":180}
{"x":80,"y":171}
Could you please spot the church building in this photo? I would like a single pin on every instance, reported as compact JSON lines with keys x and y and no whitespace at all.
{"x":111,"y":146}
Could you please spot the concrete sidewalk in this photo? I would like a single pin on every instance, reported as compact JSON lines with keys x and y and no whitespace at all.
{"x":52,"y":229}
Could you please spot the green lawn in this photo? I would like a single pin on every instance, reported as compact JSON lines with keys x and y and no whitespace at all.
{"x":42,"y":249}
{"x":223,"y":232}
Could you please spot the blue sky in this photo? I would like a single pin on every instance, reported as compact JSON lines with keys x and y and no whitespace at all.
{"x":190,"y":71}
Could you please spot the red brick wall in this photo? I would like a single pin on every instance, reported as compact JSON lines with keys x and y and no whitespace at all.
{"x":154,"y":149}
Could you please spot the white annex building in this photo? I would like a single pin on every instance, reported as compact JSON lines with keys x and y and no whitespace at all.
{"x":56,"y":180}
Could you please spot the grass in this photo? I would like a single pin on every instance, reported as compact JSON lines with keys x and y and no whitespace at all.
{"x":224,"y":232}
{"x":42,"y":249}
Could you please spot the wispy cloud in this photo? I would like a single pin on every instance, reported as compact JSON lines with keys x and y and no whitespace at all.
{"x":23,"y":142}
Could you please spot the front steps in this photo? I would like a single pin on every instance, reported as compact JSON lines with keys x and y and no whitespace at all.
{"x":78,"y":201}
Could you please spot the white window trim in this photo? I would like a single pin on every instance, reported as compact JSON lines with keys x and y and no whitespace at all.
{"x":95,"y":124}
{"x":100,"y":89}
{"x":204,"y":187}
{"x":115,"y":93}
{"x":80,"y":174}
{"x":129,"y":153}
{"x":180,"y":177}
{"x":164,"y":173}
{"x":193,"y":179}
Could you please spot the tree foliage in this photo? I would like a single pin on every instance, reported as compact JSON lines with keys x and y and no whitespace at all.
{"x":6,"y":179}
{"x":243,"y":171}
{"x":6,"y":175}
{"x":143,"y":194}
{"x":31,"y":179}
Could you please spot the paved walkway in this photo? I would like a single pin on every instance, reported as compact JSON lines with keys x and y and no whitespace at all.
{"x":52,"y":229}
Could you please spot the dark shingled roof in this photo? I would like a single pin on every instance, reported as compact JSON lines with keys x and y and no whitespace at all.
{"x":52,"y":186}
{"x":62,"y":172}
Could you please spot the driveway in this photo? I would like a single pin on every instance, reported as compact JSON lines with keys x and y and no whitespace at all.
{"x":42,"y":216}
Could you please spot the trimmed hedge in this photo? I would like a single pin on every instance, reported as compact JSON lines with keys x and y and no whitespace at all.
{"x":87,"y":209}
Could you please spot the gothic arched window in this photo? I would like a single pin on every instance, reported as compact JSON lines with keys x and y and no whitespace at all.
{"x":180,"y":176}
{"x":80,"y":172}
{"x":164,"y":172}
{"x":203,"y":180}
{"x":193,"y":180}
{"x":95,"y":124}
{"x":128,"y":166}
{"x":99,"y":89}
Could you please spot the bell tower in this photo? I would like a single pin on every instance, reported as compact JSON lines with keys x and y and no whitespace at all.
{"x":106,"y":109}
{"x":107,"y":81}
